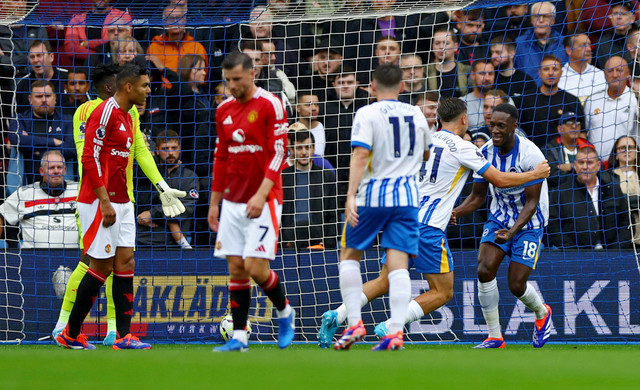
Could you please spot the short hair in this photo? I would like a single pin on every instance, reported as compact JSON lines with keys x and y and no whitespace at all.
{"x":187,"y":63}
{"x":46,"y":154}
{"x":570,"y":39}
{"x":167,"y":135}
{"x":477,"y":63}
{"x":508,"y":109}
{"x":43,"y":83}
{"x":587,"y":147}
{"x":237,"y":58}
{"x":498,"y":93}
{"x":445,"y":29}
{"x":539,"y":5}
{"x":102,"y":72}
{"x":301,"y":136}
{"x":550,"y":57}
{"x":387,"y":76}
{"x":250,"y":44}
{"x":509,"y":43}
{"x":432,"y":96}
{"x":128,"y":72}
{"x":474,"y":14}
{"x":450,"y":109}
{"x":79,"y":70}
{"x":388,"y":38}
{"x":345,"y":70}
{"x":37,"y":42}
{"x":305,"y":92}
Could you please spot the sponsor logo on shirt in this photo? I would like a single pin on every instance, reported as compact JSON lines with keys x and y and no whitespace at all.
{"x":120,"y":153}
{"x":128,"y":143}
{"x":238,"y":136}
{"x":280,"y":129}
{"x":244,"y":148}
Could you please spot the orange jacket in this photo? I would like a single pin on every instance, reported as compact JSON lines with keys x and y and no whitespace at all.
{"x":170,"y":53}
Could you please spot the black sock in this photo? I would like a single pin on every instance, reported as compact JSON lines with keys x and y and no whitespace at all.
{"x":273,"y":288}
{"x":88,"y":291}
{"x":123,"y":301}
{"x":240,"y":295}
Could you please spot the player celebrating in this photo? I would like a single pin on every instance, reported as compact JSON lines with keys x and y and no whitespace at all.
{"x":252,"y":136}
{"x":390,"y":139}
{"x":104,"y":81}
{"x":517,"y":218}
{"x":106,"y":212}
{"x":443,"y":178}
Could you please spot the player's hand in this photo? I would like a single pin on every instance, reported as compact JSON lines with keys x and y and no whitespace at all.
{"x":351,"y":211}
{"x":171,"y":205}
{"x":255,"y":205}
{"x":144,"y":218}
{"x":453,"y":220}
{"x":503,"y":235}
{"x":542,"y":170}
{"x":108,"y":213}
{"x":212,"y":218}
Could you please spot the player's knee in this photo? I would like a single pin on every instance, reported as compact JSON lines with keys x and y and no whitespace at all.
{"x":517,"y":288}
{"x":485,"y":274}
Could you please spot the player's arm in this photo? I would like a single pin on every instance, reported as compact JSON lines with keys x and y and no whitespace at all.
{"x":512,"y":179}
{"x":477,"y":198}
{"x":359,"y":161}
{"x":532,"y":193}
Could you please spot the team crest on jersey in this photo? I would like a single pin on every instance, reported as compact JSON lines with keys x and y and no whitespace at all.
{"x":253,"y":116}
{"x":597,"y":111}
{"x":218,"y":245}
{"x":101,"y":132}
{"x":238,"y":136}
{"x":107,"y":248}
{"x":356,"y":129}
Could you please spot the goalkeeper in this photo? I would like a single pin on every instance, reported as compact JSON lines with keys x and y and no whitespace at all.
{"x":104,"y":81}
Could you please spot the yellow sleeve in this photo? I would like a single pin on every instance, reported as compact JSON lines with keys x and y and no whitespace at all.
{"x":141,"y":153}
{"x":80,"y":118}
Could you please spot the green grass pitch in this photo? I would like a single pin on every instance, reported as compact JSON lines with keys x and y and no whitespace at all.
{"x":446,"y":367}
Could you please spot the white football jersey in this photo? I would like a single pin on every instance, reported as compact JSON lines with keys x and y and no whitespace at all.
{"x":397,"y":134}
{"x":444,"y":176}
{"x":507,"y":203}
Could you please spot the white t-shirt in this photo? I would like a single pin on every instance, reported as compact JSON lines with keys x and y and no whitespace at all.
{"x":507,"y":203}
{"x":582,"y":85}
{"x":444,"y":176}
{"x":320,"y":138}
{"x":397,"y":135}
{"x":45,"y":221}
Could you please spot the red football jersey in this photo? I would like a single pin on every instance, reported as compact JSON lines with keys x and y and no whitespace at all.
{"x":251,"y":145}
{"x":108,"y":138}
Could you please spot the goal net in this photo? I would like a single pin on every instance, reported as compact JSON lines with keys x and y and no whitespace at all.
{"x":570,"y":70}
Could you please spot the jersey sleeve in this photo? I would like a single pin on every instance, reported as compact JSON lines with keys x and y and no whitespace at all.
{"x":477,"y":177}
{"x":531,"y":158}
{"x":9,"y":209}
{"x":79,"y":127}
{"x":278,"y":128}
{"x":428,"y":138}
{"x":95,"y":133}
{"x":470,"y":156}
{"x":144,"y":158}
{"x":362,"y":130}
{"x":221,"y":155}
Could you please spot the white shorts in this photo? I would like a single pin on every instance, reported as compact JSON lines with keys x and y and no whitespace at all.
{"x":239,"y":235}
{"x":101,"y":242}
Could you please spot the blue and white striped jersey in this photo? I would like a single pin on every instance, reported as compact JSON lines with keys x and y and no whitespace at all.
{"x":444,"y":176}
{"x":507,"y":203}
{"x":397,"y":134}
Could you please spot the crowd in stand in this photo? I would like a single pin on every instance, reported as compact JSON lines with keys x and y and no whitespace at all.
{"x":572,"y":73}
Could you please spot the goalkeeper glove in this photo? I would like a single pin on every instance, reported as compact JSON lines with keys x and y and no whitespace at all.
{"x":171,"y":205}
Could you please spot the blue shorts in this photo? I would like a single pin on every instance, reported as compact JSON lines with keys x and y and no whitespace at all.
{"x":434,"y":255}
{"x":523,"y":248}
{"x":399,"y":226}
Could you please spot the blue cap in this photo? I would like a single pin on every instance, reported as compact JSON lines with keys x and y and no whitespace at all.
{"x":568,"y":116}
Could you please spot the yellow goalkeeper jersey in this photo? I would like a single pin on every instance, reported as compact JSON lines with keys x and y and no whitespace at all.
{"x":139,"y":150}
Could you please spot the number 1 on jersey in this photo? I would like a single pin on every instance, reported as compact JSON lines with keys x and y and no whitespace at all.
{"x":395,"y":122}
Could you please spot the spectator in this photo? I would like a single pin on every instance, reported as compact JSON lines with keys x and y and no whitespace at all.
{"x":539,"y":41}
{"x":512,"y":81}
{"x":222,"y":92}
{"x":175,"y":42}
{"x":539,"y":112}
{"x":482,"y":77}
{"x":123,"y":50}
{"x":269,"y":61}
{"x":88,"y":31}
{"x":309,"y":208}
{"x":76,"y":90}
{"x":40,"y":129}
{"x":613,"y":43}
{"x":614,"y":112}
{"x":308,"y":109}
{"x":317,"y":159}
{"x":589,"y":210}
{"x":116,"y":33}
{"x":561,"y":151}
{"x":45,"y":210}
{"x":579,"y":77}
{"x":444,"y":74}
{"x":413,"y":75}
{"x":508,"y":21}
{"x":428,"y":103}
{"x":472,"y":45}
{"x":154,"y":228}
{"x":41,"y":63}
{"x":338,"y":121}
{"x":633,"y":47}
{"x":624,"y":162}
{"x":325,"y":63}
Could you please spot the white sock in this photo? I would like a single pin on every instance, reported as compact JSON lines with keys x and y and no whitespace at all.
{"x":414,"y":313}
{"x":342,"y":309}
{"x":399,"y":298}
{"x":60,"y":325}
{"x":241,"y":335}
{"x":284,"y":313}
{"x":184,"y":244}
{"x":489,"y":298}
{"x":532,"y":300}
{"x":351,"y":289}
